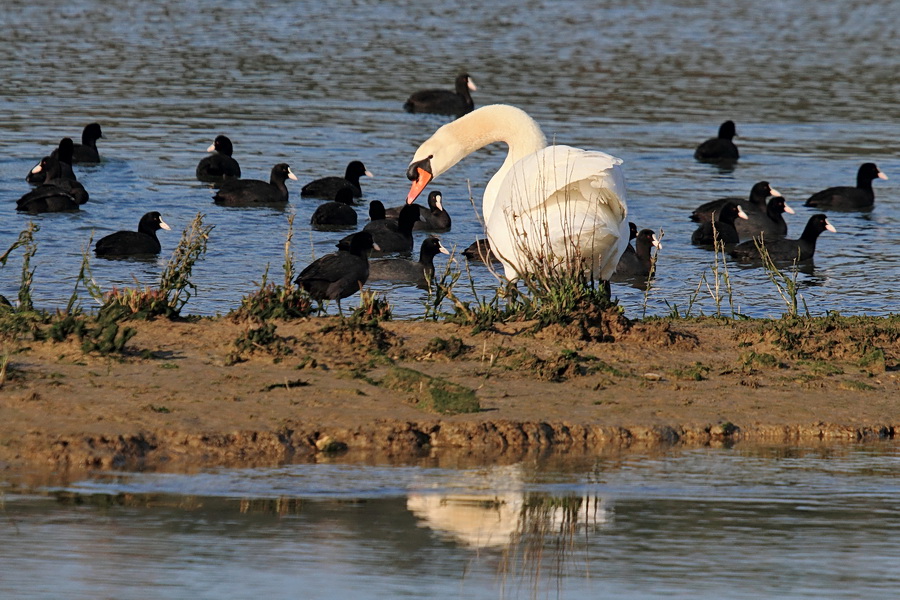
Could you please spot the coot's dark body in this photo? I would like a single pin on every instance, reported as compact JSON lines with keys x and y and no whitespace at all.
{"x":133,"y":243}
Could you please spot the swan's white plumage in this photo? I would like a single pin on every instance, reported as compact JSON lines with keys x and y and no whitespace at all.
{"x":546,"y":205}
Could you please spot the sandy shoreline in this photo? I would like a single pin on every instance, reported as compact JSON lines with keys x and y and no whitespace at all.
{"x":183,"y":395}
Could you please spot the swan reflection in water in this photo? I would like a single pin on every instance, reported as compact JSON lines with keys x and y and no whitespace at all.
{"x":509,"y":516}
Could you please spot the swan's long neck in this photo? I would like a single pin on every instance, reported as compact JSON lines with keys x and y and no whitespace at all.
{"x":487,"y":125}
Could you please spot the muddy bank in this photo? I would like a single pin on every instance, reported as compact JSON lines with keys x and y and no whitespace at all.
{"x":215,"y":392}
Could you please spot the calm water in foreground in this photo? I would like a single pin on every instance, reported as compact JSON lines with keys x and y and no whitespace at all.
{"x":715,"y":523}
{"x":814,"y":90}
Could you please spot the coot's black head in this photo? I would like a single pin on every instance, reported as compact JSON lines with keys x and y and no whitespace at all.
{"x":361,"y":243}
{"x":408,"y":216}
{"x":777,"y":205}
{"x":91,"y":134}
{"x":151,"y":222}
{"x":345,"y":196}
{"x":435,"y":201}
{"x":729,"y":212}
{"x":464,"y":84}
{"x":816,"y":225}
{"x":632,"y":231}
{"x":727,"y":130}
{"x":648,"y":236}
{"x":65,"y":150}
{"x":282,"y":172}
{"x":222,"y":145}
{"x":431,"y":246}
{"x":376,"y":210}
{"x":762,"y":190}
{"x":867,"y":172}
{"x":355,"y":170}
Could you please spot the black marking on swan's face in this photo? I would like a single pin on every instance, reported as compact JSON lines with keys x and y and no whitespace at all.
{"x":412,"y":172}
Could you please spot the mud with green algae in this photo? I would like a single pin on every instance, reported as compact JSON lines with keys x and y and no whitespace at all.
{"x":188,"y":394}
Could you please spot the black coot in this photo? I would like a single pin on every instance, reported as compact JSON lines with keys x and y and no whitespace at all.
{"x":131,"y":243}
{"x":378,"y":218}
{"x":407,"y":271}
{"x":636,"y":261}
{"x":327,"y":187}
{"x":480,"y":251}
{"x":787,"y":251}
{"x":850,"y":198}
{"x":444,"y":102}
{"x":724,"y":230}
{"x":388,"y":240}
{"x":38,"y":174}
{"x":756,"y":203}
{"x":338,"y":213}
{"x":341,"y":274}
{"x":60,"y":192}
{"x":720,"y":149}
{"x":770,"y":223}
{"x":434,"y":217}
{"x":219,"y":165}
{"x":250,"y":192}
{"x":86,"y":151}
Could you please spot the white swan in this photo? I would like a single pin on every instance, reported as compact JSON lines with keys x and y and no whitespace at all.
{"x":547,"y":206}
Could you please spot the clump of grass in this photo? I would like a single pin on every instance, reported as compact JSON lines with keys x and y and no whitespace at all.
{"x":373,"y":308}
{"x":785,"y":285}
{"x":721,"y":288}
{"x":654,"y":257}
{"x":175,"y":286}
{"x":565,"y":296}
{"x":273,"y":301}
{"x":101,"y":334}
{"x":26,"y":241}
{"x":451,"y":348}
{"x":695,"y":372}
{"x":258,"y":339}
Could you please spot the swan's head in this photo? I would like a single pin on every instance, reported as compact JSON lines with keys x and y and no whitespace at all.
{"x":446,"y":147}
{"x":420,"y":172}
{"x":455,"y":140}
{"x":432,"y":158}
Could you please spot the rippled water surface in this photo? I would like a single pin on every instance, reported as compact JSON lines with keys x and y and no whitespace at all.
{"x":814,"y":90}
{"x":812,"y":86}
{"x":763,"y":523}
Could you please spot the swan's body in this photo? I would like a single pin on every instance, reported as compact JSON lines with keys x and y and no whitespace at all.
{"x":547,"y":206}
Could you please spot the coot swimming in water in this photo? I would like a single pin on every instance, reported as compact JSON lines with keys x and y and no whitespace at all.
{"x":444,"y":102}
{"x":850,"y":198}
{"x":337,"y":213}
{"x":60,"y":192}
{"x":434,"y":217}
{"x":637,"y":261}
{"x":720,"y":149}
{"x":724,"y":230}
{"x":327,"y":187}
{"x":219,"y":165}
{"x":250,"y":192}
{"x":131,"y":243}
{"x":408,"y":271}
{"x":787,"y":250}
{"x":389,"y":239}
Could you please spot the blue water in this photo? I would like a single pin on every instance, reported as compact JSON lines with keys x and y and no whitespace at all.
{"x":813,"y":89}
{"x":810,"y":522}
{"x":320,"y":84}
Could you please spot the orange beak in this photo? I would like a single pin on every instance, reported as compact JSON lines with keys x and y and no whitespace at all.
{"x":418,"y":184}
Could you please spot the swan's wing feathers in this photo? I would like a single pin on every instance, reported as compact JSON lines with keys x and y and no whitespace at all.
{"x":559,"y":199}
